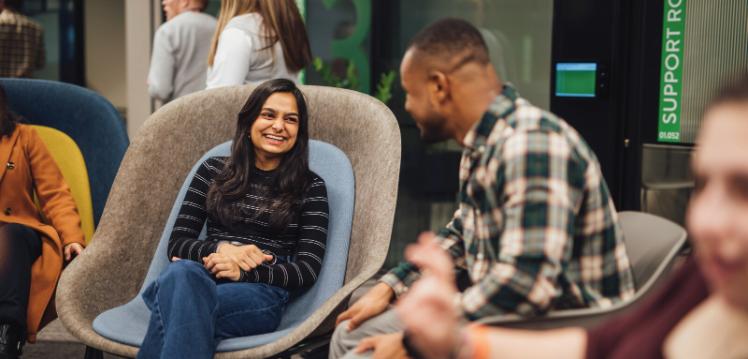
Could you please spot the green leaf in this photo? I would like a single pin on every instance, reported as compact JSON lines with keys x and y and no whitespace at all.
{"x":351,"y":74}
{"x":384,"y":87}
{"x":329,"y":3}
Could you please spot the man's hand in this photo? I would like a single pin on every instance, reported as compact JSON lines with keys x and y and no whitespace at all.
{"x":373,"y":303}
{"x":428,"y":309}
{"x":222,"y":266}
{"x":385,"y":346}
{"x":247,"y":257}
{"x":72,"y":249}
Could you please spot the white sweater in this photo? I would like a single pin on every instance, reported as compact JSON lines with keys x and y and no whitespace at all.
{"x":180,"y":55}
{"x":239,"y":59}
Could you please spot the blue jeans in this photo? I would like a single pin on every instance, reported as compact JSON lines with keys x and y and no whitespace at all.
{"x":191,"y":312}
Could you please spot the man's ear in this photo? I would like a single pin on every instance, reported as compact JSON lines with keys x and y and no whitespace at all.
{"x":439,"y":89}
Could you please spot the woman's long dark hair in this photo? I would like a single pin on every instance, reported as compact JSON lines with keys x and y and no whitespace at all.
{"x":8,"y":120}
{"x":292,"y":175}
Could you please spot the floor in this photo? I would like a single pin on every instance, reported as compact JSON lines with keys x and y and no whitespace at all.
{"x":54,"y":341}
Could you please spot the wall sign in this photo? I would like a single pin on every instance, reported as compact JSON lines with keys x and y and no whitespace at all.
{"x":671,"y":71}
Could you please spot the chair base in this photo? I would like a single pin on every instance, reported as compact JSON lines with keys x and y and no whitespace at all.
{"x":311,"y":348}
{"x":93,"y":353}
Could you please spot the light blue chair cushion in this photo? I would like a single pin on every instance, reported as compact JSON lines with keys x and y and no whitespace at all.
{"x":128,"y":323}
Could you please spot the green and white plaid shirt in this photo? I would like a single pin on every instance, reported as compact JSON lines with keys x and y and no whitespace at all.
{"x":536,"y":228}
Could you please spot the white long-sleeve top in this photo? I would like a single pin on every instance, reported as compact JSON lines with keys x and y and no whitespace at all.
{"x":179,"y":61}
{"x":239,"y":59}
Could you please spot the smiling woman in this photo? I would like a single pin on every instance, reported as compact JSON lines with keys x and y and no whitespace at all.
{"x":267,"y":217}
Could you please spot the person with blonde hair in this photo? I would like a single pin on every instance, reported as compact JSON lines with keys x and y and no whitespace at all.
{"x":257,"y":40}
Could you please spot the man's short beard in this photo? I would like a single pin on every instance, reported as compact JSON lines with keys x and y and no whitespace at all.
{"x":434,"y":131}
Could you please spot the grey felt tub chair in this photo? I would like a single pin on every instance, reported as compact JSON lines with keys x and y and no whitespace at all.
{"x":652,"y":243}
{"x":112,"y":269}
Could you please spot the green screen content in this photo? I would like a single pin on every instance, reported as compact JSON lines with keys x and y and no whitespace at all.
{"x":576,"y":79}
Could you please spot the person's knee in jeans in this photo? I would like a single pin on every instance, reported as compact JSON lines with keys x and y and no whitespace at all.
{"x":179,"y":276}
{"x":182,"y":270}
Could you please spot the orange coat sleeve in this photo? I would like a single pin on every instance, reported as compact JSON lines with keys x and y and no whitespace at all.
{"x":55,"y":197}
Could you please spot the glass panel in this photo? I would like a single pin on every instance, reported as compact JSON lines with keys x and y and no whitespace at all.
{"x":339,"y":34}
{"x":666,"y":180}
{"x":712,"y":45}
{"x":47,"y":14}
{"x":213,"y":7}
{"x":358,"y":41}
{"x":62,"y":23}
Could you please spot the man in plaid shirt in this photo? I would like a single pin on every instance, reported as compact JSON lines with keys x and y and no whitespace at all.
{"x":21,"y":42}
{"x":536,"y":229}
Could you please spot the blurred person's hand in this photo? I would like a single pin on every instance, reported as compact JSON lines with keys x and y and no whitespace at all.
{"x":428,"y":309}
{"x":385,"y":346}
{"x":371,"y":304}
{"x":72,"y":250}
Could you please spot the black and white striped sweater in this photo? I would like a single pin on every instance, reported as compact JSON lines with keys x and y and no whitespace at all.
{"x":303,"y":240}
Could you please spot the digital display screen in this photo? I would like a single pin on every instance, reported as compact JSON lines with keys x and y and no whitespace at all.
{"x":576,"y":79}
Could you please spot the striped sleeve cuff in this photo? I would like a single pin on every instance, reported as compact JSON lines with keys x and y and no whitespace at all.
{"x":203,"y":249}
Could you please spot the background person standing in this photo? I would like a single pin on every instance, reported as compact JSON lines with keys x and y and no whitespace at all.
{"x":180,"y":48}
{"x":21,"y":42}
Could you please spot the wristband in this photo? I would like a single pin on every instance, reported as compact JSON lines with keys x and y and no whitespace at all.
{"x":477,"y":336}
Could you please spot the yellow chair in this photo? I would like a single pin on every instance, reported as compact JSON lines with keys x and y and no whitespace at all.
{"x":69,"y":159}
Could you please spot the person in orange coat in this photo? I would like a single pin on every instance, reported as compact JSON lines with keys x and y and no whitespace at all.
{"x":34,"y":244}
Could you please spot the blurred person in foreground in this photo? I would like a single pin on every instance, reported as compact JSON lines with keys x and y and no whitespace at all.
{"x":702,"y":312}
{"x":180,"y":47}
{"x":535,"y":230}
